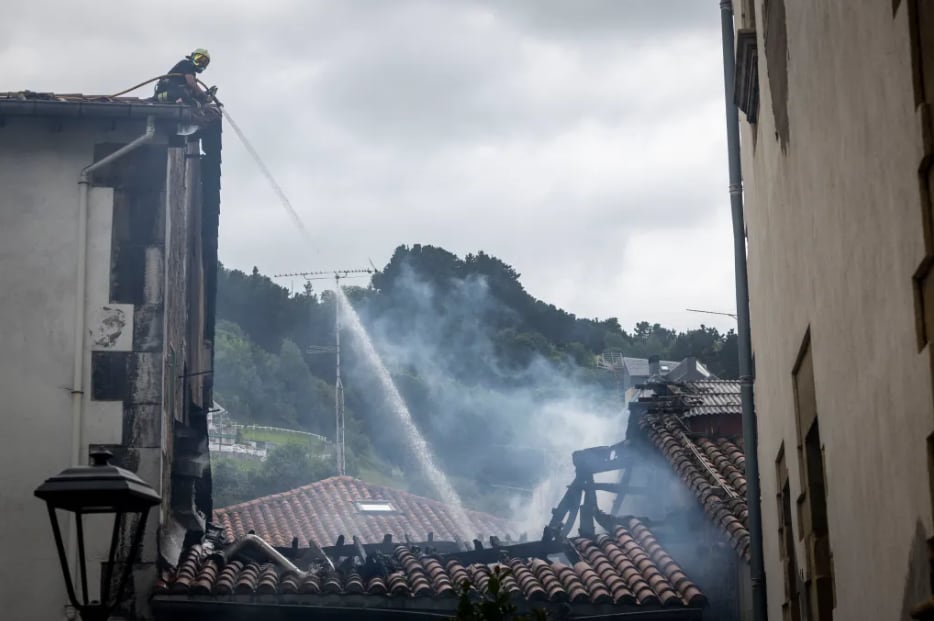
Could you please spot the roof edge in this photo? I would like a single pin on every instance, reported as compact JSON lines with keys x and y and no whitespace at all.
{"x":94,"y":109}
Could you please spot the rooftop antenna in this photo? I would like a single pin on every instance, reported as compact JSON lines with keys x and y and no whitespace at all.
{"x":697,"y":310}
{"x":338,"y":275}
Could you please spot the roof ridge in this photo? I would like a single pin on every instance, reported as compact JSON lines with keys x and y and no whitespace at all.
{"x":289,"y":492}
{"x":350,"y":479}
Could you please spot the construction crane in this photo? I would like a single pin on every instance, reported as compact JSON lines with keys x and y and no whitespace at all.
{"x":340,"y":447}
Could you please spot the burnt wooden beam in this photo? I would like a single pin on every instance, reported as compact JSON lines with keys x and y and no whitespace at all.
{"x":624,"y":477}
{"x":588,"y":508}
{"x":350,"y":549}
{"x":532,"y":549}
{"x":568,"y":504}
{"x":598,"y":459}
{"x":361,"y":552}
{"x":569,"y":522}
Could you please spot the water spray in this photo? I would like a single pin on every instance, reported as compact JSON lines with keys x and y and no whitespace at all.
{"x":397,"y":404}
{"x":286,"y":203}
{"x":340,"y":445}
{"x":401,"y":411}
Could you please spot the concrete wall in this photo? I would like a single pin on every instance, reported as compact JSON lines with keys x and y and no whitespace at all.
{"x":38,"y":235}
{"x":834,"y":236}
{"x":126,"y":400}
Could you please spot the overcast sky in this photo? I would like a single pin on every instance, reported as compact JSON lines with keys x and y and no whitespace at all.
{"x":581,"y":141}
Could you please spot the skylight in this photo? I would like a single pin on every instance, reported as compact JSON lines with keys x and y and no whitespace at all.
{"x":374,"y":506}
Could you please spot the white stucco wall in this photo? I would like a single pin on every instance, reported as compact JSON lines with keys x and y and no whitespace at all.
{"x":834,"y":237}
{"x":39,"y":168}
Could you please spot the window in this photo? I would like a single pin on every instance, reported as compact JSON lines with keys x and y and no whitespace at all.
{"x":374,"y":506}
{"x":746,"y":84}
{"x":775,"y":40}
{"x":791,"y":610}
{"x":818,"y":592}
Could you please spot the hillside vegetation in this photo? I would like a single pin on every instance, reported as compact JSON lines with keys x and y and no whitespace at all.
{"x":480,"y":362}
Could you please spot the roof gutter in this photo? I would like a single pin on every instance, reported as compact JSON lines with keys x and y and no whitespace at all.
{"x":181,"y":608}
{"x":750,"y":432}
{"x":97,"y":109}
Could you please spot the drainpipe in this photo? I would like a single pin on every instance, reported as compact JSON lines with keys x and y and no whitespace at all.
{"x":750,"y":433}
{"x":77,"y":392}
{"x":81,"y":286}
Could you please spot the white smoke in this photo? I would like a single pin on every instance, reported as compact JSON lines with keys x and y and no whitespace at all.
{"x":540,"y":408}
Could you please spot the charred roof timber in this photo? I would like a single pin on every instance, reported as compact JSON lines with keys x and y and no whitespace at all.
{"x":560,"y":576}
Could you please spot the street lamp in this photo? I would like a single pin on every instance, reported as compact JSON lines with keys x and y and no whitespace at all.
{"x":98,"y":489}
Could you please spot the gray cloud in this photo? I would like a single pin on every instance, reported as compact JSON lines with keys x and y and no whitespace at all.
{"x":609,"y":19}
{"x":582,"y":142}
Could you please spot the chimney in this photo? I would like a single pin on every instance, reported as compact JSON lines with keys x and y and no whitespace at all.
{"x":654,"y":365}
{"x":690,"y":363}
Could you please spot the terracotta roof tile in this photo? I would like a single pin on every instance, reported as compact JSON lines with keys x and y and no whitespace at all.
{"x":713,"y":468}
{"x":324,"y":510}
{"x":626,"y":568}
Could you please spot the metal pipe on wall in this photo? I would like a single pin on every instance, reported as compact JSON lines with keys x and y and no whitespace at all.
{"x":81,"y":287}
{"x":750,"y":432}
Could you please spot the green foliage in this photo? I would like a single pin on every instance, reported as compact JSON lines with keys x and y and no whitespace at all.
{"x":286,"y":467}
{"x":485,"y":337}
{"x":493,"y":603}
{"x":276,"y":389}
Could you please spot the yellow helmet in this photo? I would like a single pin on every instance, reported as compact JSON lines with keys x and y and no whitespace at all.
{"x":201,"y":59}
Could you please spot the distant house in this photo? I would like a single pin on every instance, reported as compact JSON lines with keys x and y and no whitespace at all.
{"x":108,"y":248}
{"x":633,"y":372}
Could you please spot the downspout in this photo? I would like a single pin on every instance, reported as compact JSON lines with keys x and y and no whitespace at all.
{"x":84,"y":184}
{"x":81,"y":286}
{"x":750,"y":433}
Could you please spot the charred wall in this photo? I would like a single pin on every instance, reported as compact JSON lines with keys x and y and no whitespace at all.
{"x":163,"y":267}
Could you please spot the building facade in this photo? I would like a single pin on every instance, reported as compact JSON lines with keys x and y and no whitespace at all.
{"x":836,"y":154}
{"x":108,"y":278}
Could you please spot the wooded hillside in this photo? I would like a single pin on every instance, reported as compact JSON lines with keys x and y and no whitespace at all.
{"x":476,"y":358}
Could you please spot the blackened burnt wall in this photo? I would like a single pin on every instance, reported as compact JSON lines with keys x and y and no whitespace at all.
{"x":211,"y":143}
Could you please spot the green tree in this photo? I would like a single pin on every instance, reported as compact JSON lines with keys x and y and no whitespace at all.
{"x":286,"y":467}
{"x":492,"y":603}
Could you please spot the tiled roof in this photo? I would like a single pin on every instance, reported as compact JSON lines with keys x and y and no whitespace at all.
{"x":67,"y":97}
{"x":713,"y":468}
{"x":29,"y":103}
{"x":324,"y":510}
{"x":696,"y":398}
{"x":625,"y":569}
{"x":705,"y":397}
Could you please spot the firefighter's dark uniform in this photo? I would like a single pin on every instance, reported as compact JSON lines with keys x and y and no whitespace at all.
{"x":174,"y":87}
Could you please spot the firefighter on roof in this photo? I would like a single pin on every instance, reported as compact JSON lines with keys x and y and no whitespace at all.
{"x":180,"y":85}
